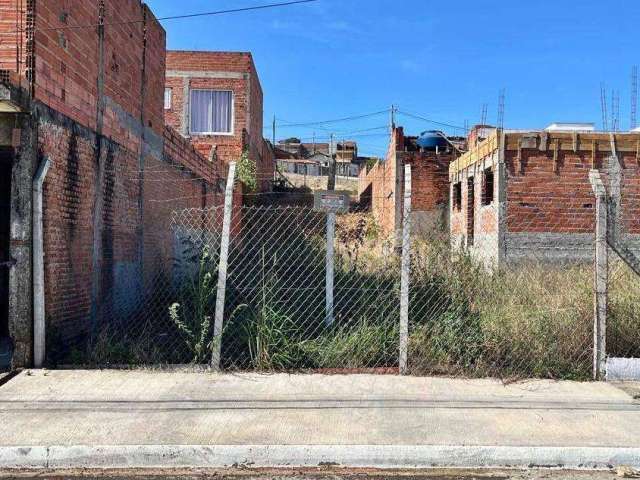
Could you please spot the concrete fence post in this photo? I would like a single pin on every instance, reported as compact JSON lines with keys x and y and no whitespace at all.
{"x":329,"y":261}
{"x":601,"y":272}
{"x":405,"y":263}
{"x":216,"y":346}
{"x":39,"y":321}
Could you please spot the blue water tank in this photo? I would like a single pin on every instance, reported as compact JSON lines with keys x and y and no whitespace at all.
{"x":431,"y":139}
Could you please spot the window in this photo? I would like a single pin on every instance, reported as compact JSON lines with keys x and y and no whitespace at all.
{"x":457,"y":196}
{"x":168,"y":94}
{"x":487,"y":187}
{"x":212,"y":112}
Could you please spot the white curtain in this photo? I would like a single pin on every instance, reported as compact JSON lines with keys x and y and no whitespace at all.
{"x":211,"y":111}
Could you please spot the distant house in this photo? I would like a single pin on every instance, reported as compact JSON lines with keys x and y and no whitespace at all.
{"x":313,"y":159}
{"x":215,"y":100}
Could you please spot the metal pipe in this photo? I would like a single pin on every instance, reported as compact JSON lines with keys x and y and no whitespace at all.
{"x":39,"y":328}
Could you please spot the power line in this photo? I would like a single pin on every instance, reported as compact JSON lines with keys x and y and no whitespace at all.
{"x":429,"y":120}
{"x":179,"y":17}
{"x":335,"y":120}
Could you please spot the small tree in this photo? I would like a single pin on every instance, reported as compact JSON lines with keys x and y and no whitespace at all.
{"x":246,"y":171}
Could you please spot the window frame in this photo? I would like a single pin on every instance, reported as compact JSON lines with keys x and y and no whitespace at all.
{"x":457,"y":196}
{"x":233,"y":111}
{"x":488,"y":196}
{"x":168,"y":90}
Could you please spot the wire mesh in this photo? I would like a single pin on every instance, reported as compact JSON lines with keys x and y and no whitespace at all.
{"x":505,"y":290}
{"x":623,"y":316}
{"x":509,"y":294}
{"x":275,"y":306}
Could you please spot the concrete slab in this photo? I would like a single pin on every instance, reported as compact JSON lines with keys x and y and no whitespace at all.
{"x":361,"y":420}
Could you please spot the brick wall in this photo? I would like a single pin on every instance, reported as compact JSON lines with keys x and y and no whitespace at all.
{"x":550,"y":202}
{"x":548,"y":208}
{"x":379,"y":184}
{"x":93,"y":235}
{"x":12,"y":38}
{"x":474,"y":220}
{"x":429,"y":190}
{"x":430,"y":185}
{"x":117,"y":174}
{"x":222,"y":71}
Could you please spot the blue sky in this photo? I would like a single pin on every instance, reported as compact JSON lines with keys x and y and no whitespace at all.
{"x":441,"y":60}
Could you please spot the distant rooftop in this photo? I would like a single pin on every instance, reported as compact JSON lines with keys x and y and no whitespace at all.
{"x":571,"y":127}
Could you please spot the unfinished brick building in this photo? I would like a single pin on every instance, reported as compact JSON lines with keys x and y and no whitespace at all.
{"x":87,"y":103}
{"x":381,"y":188}
{"x":526,"y":195}
{"x":215,"y":100}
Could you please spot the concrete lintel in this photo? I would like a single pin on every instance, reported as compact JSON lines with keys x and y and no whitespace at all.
{"x":206,"y":74}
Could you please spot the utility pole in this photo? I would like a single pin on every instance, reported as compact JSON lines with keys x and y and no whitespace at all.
{"x":634,"y":98}
{"x":331,"y":182}
{"x":392,"y":120}
{"x":274,"y":131}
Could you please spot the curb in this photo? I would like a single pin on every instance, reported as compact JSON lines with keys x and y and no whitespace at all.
{"x":283,"y":456}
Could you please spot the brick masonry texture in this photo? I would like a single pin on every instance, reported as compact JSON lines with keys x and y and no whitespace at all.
{"x":429,"y":180}
{"x":12,"y":39}
{"x":222,"y":71}
{"x":117,"y":172}
{"x":548,"y":201}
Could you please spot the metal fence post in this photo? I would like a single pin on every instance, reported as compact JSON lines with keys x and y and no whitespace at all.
{"x":404,"y":275}
{"x":331,"y":233}
{"x":222,"y":268}
{"x":601,"y":271}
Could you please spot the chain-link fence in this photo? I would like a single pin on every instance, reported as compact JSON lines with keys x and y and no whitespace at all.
{"x":510,"y":295}
{"x":623,"y":317}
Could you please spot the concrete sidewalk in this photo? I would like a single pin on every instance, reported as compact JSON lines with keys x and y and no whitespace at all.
{"x":125,"y":419}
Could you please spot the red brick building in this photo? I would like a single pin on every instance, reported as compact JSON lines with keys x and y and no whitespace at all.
{"x":522,"y":195}
{"x":88,"y":102}
{"x":215,"y":100}
{"x":382,"y":186}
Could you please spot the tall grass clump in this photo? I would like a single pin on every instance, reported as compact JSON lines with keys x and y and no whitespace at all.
{"x":623,"y":322}
{"x":525,"y":320}
{"x":192,"y":313}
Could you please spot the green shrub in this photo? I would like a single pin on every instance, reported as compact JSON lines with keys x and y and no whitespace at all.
{"x":193,"y":313}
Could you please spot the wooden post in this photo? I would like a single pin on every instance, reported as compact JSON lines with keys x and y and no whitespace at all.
{"x":222,"y":268}
{"x":600,"y":278}
{"x":404,"y":275}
